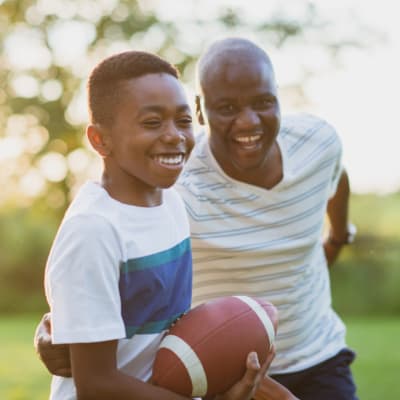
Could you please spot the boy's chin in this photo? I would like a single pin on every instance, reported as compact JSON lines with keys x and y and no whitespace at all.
{"x":167,"y":182}
{"x":167,"y":185}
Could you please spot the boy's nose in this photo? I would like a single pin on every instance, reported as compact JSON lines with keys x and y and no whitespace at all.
{"x":172,"y":134}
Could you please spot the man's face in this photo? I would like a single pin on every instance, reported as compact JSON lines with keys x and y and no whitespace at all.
{"x":242,"y":111}
{"x":151,"y":137}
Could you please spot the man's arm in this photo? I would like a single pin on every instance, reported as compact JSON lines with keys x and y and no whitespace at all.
{"x":337,"y":210}
{"x":55,"y":357}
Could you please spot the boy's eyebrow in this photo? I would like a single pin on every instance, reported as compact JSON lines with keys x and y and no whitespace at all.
{"x":159,"y":109}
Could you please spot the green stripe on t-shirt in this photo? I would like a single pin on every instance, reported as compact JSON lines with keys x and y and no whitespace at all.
{"x":151,"y":327}
{"x":153,"y":260}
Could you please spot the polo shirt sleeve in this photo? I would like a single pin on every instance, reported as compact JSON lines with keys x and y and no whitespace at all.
{"x":337,"y":167}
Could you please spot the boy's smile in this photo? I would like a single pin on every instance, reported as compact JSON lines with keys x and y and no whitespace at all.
{"x":150,"y":139}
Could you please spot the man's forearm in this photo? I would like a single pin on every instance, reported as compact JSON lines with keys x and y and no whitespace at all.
{"x":338,"y":210}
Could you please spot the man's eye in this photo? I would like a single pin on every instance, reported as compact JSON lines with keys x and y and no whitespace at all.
{"x":152,"y":123}
{"x":263,"y":103}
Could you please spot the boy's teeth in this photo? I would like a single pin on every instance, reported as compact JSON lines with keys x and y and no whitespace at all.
{"x":170,"y":160}
{"x":248,"y":139}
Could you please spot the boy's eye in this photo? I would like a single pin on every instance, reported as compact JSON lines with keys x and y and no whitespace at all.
{"x":185,"y":121}
{"x":227,"y":109}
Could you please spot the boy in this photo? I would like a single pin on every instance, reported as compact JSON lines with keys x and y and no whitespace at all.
{"x":119,"y":271}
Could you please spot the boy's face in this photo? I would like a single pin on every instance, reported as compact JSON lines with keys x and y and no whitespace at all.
{"x":151,"y":137}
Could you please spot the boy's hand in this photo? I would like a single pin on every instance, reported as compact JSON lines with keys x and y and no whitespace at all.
{"x":248,"y":385}
{"x":270,"y":389}
{"x":55,"y":357}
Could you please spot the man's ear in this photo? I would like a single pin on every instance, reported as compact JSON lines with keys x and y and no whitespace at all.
{"x":99,"y":139}
{"x":199,"y":111}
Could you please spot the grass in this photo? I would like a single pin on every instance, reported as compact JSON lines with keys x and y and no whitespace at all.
{"x":22,"y":377}
{"x":376,"y":368}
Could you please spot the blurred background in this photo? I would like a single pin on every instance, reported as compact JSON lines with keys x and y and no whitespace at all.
{"x":337,"y":59}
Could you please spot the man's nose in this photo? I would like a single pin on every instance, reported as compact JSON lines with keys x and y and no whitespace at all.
{"x":247,"y":119}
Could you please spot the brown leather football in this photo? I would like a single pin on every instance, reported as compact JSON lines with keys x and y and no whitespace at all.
{"x":204,"y":353}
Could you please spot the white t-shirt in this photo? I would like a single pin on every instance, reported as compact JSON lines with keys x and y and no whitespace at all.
{"x":117,"y":271}
{"x":268,"y":243}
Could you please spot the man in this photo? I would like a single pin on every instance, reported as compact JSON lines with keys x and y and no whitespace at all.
{"x":257,"y":188}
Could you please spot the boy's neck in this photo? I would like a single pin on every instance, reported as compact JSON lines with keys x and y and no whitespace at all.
{"x":131,"y":194}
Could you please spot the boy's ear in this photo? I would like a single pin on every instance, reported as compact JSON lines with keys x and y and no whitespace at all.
{"x":199,"y":111}
{"x":99,"y":140}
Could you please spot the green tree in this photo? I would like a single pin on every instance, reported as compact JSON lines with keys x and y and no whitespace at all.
{"x":47,"y":49}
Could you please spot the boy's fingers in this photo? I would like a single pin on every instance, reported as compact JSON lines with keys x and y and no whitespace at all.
{"x":253,"y":368}
{"x":267,"y":362}
{"x":252,"y":362}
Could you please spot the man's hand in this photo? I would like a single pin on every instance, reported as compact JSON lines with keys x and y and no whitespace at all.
{"x":248,"y":385}
{"x":54,"y":357}
{"x":332,"y":252}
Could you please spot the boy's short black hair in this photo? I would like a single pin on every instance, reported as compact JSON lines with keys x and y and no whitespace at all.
{"x":104,"y":87}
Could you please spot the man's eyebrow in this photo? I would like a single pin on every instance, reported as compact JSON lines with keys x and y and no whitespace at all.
{"x":159,"y":109}
{"x":266,"y":94}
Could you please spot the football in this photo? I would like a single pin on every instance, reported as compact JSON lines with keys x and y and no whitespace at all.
{"x":204,"y":353}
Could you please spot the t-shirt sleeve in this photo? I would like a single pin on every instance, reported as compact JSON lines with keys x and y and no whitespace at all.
{"x":81,"y":280}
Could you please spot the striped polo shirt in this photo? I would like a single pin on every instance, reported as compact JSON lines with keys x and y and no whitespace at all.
{"x":252,"y":241}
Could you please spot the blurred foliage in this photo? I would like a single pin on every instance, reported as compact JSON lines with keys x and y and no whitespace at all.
{"x":25,"y":239}
{"x":43,"y":154}
{"x":366,"y":278}
{"x":42,"y":87}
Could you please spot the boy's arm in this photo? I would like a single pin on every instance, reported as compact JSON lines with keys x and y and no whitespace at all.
{"x":94,"y":368}
{"x":96,"y":376}
{"x":57,"y":360}
{"x":272,"y":390}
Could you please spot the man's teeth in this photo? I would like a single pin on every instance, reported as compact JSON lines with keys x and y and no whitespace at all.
{"x":170,"y":160}
{"x":248,"y":139}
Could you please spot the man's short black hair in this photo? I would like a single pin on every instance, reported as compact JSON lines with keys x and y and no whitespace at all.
{"x":105,"y":88}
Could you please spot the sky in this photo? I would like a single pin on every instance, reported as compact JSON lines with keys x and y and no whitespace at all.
{"x":357,"y":92}
{"x":360,"y":96}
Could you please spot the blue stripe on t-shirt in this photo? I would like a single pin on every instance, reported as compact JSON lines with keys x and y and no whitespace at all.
{"x":156,"y":289}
